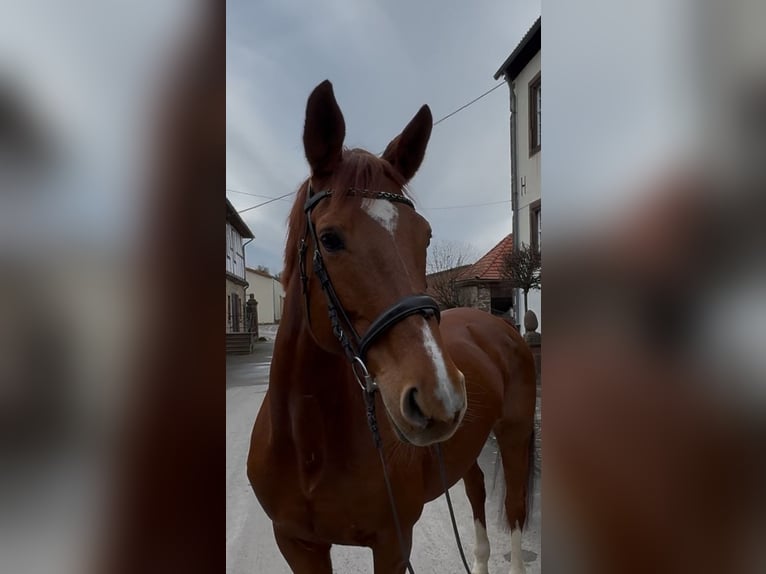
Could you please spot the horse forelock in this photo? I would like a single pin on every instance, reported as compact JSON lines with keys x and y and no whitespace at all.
{"x":359,"y":170}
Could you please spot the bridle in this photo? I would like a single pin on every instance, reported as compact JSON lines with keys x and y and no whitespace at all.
{"x":356,"y":347}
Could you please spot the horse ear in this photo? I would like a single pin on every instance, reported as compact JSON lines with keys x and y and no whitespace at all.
{"x":324,"y":130}
{"x":406,"y":151}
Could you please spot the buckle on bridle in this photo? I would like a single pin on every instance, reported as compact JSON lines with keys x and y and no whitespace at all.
{"x":363,"y":377}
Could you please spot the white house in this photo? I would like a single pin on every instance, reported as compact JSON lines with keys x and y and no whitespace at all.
{"x":522,"y":72}
{"x":268,"y":293}
{"x":236,"y":279}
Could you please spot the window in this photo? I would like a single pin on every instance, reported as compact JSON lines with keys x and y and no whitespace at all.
{"x":535,"y":224}
{"x":535,"y":115}
{"x":235,"y":312}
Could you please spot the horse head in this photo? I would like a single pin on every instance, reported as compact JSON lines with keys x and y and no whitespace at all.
{"x":372,"y":246}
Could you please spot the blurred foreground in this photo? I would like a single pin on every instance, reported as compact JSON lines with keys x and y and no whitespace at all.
{"x":112,"y":400}
{"x":654,"y":179}
{"x":112,"y":126}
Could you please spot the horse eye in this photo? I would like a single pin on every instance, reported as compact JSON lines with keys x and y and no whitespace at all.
{"x":331,"y":241}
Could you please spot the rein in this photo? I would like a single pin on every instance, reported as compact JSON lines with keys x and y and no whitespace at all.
{"x":356,"y":347}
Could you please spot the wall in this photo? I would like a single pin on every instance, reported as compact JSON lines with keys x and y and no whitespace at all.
{"x":528,"y":169}
{"x":478,"y":296}
{"x":233,"y":287}
{"x":470,"y":295}
{"x":269,"y":294}
{"x":484,"y":299}
{"x":235,"y":257}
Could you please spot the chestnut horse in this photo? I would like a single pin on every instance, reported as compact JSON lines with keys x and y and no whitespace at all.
{"x":312,"y":463}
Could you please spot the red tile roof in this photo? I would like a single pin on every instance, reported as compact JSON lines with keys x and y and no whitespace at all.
{"x":490,"y":266}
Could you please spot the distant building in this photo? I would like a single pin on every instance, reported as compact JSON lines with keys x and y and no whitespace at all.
{"x":484,"y":283}
{"x":522,"y":72}
{"x":481,"y":285}
{"x":236,"y":278}
{"x":442,"y":286}
{"x":269,"y":294}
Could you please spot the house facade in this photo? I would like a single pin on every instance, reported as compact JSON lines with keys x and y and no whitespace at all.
{"x":482,"y":285}
{"x":236,"y":278}
{"x":269,"y":294}
{"x":522,"y":71}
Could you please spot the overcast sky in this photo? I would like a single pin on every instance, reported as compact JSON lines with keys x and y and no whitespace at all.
{"x":385,"y":59}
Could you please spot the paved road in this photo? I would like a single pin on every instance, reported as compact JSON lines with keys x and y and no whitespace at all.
{"x":250,"y":546}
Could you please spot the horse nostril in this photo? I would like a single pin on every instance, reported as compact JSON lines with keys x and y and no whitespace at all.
{"x":412,"y":411}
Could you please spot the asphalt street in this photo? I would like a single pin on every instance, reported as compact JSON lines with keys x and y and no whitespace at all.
{"x":250,"y":546}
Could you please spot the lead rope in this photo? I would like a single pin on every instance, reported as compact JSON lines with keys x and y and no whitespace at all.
{"x":449,"y":504}
{"x":368,"y":391}
{"x":372,"y":421}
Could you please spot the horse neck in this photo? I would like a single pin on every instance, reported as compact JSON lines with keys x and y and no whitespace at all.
{"x":306,"y":381}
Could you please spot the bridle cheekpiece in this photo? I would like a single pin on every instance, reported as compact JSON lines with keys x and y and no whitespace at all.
{"x":355,"y":347}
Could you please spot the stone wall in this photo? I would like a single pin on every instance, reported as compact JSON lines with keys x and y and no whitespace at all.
{"x":483,"y":298}
{"x":469,"y":295}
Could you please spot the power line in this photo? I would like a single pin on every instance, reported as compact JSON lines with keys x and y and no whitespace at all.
{"x":468,"y":205}
{"x":248,"y":193}
{"x":469,"y":103}
{"x":421,"y":207}
{"x":461,"y":108}
{"x":273,"y":199}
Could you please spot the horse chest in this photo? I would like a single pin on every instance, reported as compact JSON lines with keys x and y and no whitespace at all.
{"x":337,"y":509}
{"x":313,"y":483}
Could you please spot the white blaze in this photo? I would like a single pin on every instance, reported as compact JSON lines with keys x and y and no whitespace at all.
{"x":481,"y":550}
{"x":449,"y":398}
{"x":382,"y":211}
{"x":517,"y":562}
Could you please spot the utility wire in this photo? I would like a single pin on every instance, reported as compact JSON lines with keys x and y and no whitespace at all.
{"x":468,"y":205}
{"x":273,"y":199}
{"x":421,"y":207}
{"x":248,"y":193}
{"x":437,"y":122}
{"x":469,"y":103}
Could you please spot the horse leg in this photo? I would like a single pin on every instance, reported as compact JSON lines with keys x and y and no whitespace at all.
{"x":474,"y":489}
{"x":515,"y":441}
{"x":304,"y":557}
{"x":387,"y":553}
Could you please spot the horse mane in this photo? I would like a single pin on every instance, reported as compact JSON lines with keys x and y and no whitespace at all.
{"x":358,"y":169}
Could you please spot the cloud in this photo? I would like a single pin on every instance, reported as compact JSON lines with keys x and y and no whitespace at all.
{"x":385,"y":60}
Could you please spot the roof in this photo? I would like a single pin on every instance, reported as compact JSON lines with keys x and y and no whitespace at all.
{"x":458,"y":271}
{"x":522,"y":54}
{"x":233,"y":217}
{"x":490,"y":266}
{"x":260,"y":272}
